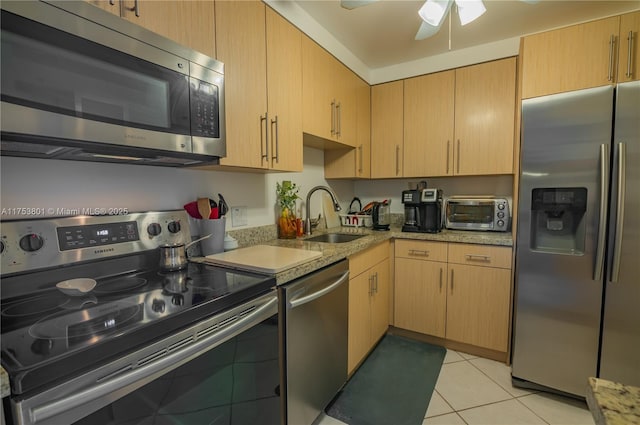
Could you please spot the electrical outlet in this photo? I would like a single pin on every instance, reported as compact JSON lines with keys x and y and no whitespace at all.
{"x":239,"y":216}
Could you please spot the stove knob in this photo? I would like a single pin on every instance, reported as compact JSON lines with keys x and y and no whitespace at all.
{"x":31,"y":242}
{"x":500,"y":214}
{"x":158,"y":306}
{"x":154,"y":229}
{"x":174,"y":226}
{"x":500,"y":223}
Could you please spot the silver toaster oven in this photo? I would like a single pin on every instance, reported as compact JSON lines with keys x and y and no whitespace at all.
{"x":488,"y":213}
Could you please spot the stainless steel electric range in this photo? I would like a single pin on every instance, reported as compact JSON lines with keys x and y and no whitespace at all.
{"x":197,"y":345}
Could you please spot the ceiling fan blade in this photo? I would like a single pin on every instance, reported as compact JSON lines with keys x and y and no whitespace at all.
{"x":426,"y":31}
{"x":352,"y":4}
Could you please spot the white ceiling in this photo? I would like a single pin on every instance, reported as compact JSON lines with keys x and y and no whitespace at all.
{"x":381,"y":35}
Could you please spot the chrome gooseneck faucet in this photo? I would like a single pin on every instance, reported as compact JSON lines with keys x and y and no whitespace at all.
{"x":334,"y":199}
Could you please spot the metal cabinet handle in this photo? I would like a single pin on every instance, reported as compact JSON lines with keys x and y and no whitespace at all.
{"x":360,"y":162}
{"x":622,"y":189}
{"x":419,"y":252}
{"x":629,"y":73}
{"x":135,"y":8}
{"x":604,"y":190}
{"x":397,"y":160}
{"x":264,"y":136}
{"x":376,"y":276}
{"x":448,"y":146}
{"x":277,"y":138}
{"x":476,"y":257}
{"x":451,"y":281}
{"x":338,"y":119}
{"x":611,"y":43}
{"x":440,"y":279}
{"x":458,"y":157}
{"x":370,"y":285}
{"x":333,"y":117}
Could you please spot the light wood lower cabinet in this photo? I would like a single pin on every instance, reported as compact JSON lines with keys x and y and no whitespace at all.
{"x":460,"y":292}
{"x":368,"y":301}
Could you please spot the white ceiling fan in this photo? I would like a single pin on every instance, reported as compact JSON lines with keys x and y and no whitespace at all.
{"x":433,"y":12}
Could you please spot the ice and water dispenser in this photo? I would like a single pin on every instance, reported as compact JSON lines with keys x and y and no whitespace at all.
{"x":558,"y":223}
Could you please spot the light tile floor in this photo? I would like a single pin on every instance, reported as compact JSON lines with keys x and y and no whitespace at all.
{"x":471,"y":391}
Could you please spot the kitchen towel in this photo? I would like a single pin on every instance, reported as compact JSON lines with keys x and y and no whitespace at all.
{"x":393,"y":385}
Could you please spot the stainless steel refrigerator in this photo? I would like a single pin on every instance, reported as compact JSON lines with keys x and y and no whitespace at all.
{"x":577,"y":289}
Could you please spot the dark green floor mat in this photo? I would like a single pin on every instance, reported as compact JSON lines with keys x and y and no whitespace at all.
{"x":393,"y":386}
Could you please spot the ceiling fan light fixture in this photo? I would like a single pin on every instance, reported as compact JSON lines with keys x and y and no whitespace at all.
{"x":470,"y":10}
{"x":433,"y":11}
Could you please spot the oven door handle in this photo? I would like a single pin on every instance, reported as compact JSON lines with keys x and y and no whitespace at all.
{"x":142,"y":375}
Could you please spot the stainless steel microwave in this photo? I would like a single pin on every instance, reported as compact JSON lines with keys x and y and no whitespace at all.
{"x":79,"y":83}
{"x":487,"y":213}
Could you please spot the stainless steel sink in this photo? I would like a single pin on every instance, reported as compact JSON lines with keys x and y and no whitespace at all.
{"x":334,"y":238}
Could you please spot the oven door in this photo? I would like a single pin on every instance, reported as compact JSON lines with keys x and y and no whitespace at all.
{"x":224,"y":370}
{"x":470,"y":215}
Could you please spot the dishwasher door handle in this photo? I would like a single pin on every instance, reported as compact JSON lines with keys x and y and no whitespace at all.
{"x":296,"y":302}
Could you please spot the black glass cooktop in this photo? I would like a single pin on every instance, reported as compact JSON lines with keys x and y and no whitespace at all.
{"x":49,"y":334}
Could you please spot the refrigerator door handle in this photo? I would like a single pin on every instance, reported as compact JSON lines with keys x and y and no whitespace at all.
{"x":604,"y":188}
{"x":622,"y":189}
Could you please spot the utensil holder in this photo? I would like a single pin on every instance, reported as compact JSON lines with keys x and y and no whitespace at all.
{"x":215,"y":243}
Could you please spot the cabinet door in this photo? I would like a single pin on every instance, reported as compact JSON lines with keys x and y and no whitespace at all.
{"x":485,"y":118}
{"x":428,"y":125}
{"x":317,"y":90}
{"x":359,"y":319}
{"x":478,"y":306}
{"x":567,"y":59}
{"x":112,"y":6}
{"x":190,"y":23}
{"x":420,"y":296}
{"x":629,"y":53}
{"x":354,"y":163}
{"x":346,"y":83}
{"x":284,"y":87}
{"x":240,"y":27}
{"x":380,"y":301}
{"x":386,"y":130}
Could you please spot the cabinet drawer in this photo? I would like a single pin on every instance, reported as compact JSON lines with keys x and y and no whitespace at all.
{"x":480,"y":255}
{"x":364,"y":260}
{"x":421,"y":250}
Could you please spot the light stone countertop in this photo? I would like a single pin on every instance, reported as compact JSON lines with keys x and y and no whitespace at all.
{"x":612,"y":403}
{"x":333,"y":252}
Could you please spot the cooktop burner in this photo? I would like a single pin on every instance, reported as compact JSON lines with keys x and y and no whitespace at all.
{"x":119,"y":285}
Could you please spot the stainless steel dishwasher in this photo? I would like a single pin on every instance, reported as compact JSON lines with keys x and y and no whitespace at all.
{"x":314,"y":329}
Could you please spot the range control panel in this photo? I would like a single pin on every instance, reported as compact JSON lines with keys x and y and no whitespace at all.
{"x":29,"y":245}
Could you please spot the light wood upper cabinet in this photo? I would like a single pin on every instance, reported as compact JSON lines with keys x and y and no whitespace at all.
{"x":190,"y":23}
{"x":329,"y":92}
{"x":387,"y":132}
{"x":629,"y":53}
{"x":485,"y":105}
{"x":284,"y":88}
{"x":240,"y":30}
{"x":354,"y":163}
{"x":428,"y":125}
{"x":571,"y":58}
{"x":260,"y":134}
{"x":108,"y":5}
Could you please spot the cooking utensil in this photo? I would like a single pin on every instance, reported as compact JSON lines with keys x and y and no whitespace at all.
{"x":174,"y":257}
{"x":76,"y":287}
{"x":192,"y":209}
{"x":204,"y":207}
{"x":223,"y":207}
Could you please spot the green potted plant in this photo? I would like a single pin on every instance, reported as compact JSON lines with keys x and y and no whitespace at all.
{"x":287,"y":196}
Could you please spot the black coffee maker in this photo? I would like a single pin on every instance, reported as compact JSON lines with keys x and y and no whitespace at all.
{"x":422,"y":210}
